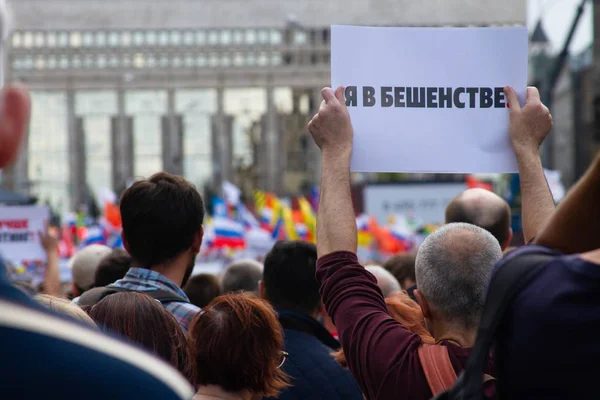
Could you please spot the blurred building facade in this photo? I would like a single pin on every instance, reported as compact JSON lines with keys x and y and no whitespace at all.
{"x":214,"y":90}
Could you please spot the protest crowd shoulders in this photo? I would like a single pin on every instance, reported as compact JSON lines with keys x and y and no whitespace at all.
{"x":243,"y":293}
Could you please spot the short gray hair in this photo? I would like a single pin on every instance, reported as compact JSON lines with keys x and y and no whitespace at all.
{"x":385,"y":280}
{"x":242,"y":275}
{"x":454,"y":265}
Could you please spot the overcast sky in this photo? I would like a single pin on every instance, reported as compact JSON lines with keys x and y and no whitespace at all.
{"x":557,"y":16}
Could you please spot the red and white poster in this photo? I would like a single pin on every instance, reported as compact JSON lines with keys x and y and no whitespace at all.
{"x":20,"y":244}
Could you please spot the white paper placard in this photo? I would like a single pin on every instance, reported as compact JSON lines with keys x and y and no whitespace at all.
{"x":19,"y":238}
{"x":430,"y":99}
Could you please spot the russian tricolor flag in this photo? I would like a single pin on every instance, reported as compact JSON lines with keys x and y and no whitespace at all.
{"x":228,"y":233}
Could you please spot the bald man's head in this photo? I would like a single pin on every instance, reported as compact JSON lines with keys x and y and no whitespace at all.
{"x":482,"y":208}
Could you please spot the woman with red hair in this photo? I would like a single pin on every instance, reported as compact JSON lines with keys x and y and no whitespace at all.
{"x":237,"y":344}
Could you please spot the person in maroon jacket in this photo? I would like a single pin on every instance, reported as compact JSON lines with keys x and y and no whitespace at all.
{"x":381,"y":353}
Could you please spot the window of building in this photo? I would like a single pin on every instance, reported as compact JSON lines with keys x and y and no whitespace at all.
{"x":250,"y":36}
{"x":63,"y":62}
{"x":113,"y":61}
{"x":226,"y":37}
{"x":17,"y":40}
{"x":51,"y":39}
{"x":200,"y":37}
{"x":164,"y":61}
{"x":213,"y":60}
{"x":27,"y":40}
{"x":76,"y":61}
{"x":63,"y":39}
{"x":139,"y":61}
{"x":138,"y":38}
{"x":300,"y":37}
{"x":151,"y":38}
{"x":176,"y":38}
{"x":151,"y":61}
{"x":88,"y":39}
{"x":75,"y":39}
{"x":188,"y":38}
{"x":263,"y":36}
{"x":113,"y":39}
{"x":101,"y":61}
{"x":213,"y":38}
{"x":226,"y":60}
{"x":250,"y":59}
{"x":88,"y":61}
{"x":40,"y":62}
{"x":126,"y":61}
{"x":263,"y":59}
{"x":189,"y":61}
{"x":276,"y":58}
{"x":126,"y":39}
{"x":201,"y":61}
{"x":238,"y":60}
{"x":238,"y":37}
{"x":51,"y":62}
{"x":39,"y":39}
{"x":163,"y":38}
{"x":176,"y":62}
{"x":275,"y":36}
{"x":101,"y":39}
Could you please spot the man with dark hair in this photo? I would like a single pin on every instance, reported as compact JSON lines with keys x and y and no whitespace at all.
{"x":162,"y":231}
{"x":484,"y":209}
{"x":289,"y":283}
{"x":112,"y":267}
{"x":242,"y":275}
{"x":202,"y":289}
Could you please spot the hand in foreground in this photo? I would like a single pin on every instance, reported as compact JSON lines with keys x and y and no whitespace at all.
{"x":530,"y":124}
{"x":49,"y":240}
{"x":331,"y":127}
{"x":14,"y":117}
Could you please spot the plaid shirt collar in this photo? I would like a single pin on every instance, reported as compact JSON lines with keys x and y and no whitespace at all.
{"x":145,"y":279}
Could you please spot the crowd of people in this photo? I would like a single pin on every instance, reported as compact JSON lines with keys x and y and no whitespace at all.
{"x":311,"y":322}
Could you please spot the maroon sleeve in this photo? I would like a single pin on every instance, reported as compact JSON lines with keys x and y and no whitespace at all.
{"x":381,"y":353}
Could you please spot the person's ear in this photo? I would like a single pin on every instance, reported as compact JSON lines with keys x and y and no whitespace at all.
{"x":423,"y":303}
{"x":15,"y":107}
{"x":508,"y":239}
{"x":197,"y":243}
{"x":262,"y":290}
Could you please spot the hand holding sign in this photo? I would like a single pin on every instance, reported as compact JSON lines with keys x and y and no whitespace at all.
{"x":331,"y":127}
{"x":530,"y":124}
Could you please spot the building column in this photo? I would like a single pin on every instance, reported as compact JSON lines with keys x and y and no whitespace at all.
{"x":122,"y":146}
{"x":271,"y":145}
{"x":172,"y":138}
{"x":76,"y":157}
{"x":221,"y":144}
{"x":313,"y":151}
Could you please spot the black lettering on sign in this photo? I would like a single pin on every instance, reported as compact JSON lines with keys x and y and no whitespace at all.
{"x":415,"y":97}
{"x":457,"y":102}
{"x":387,"y":100}
{"x":472,"y":96}
{"x":399,"y":97}
{"x":485,"y":98}
{"x":431,"y":97}
{"x":499,"y":98}
{"x":445,"y":97}
{"x":368,"y":96}
{"x":351,"y":97}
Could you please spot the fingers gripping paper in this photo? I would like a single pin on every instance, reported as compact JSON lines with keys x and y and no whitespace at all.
{"x":429,"y":99}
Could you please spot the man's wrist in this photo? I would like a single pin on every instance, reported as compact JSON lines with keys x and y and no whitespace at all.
{"x":527,"y":152}
{"x":337,"y":154}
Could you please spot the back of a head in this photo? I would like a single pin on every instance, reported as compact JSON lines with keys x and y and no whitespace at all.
{"x":202,"y":289}
{"x":143,"y":320}
{"x":385,"y":280}
{"x":85,"y":263}
{"x":64,"y":306}
{"x":237,"y":344}
{"x":454,"y":265}
{"x":161,"y":218}
{"x":289,"y":277}
{"x":112,"y":267}
{"x":402,"y":267}
{"x":242,"y":275}
{"x":484,"y":209}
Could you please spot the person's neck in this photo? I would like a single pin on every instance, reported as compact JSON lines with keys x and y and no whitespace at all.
{"x":216,"y":392}
{"x":173,"y":270}
{"x":461,"y":337}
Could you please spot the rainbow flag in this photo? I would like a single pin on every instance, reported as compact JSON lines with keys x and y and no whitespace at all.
{"x":308,"y":216}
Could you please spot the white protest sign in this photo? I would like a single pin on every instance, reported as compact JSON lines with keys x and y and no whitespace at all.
{"x":19,"y":237}
{"x":429,"y":99}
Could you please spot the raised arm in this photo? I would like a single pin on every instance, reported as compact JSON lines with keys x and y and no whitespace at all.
{"x":52,"y":273}
{"x":574,"y":226}
{"x":529,"y":126}
{"x":332,"y":131}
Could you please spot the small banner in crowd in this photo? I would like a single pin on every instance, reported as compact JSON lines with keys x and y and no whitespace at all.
{"x":19,"y":239}
{"x":429,"y":99}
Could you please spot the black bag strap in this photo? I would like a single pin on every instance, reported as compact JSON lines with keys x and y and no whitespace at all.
{"x":507,"y":282}
{"x":88,"y":299}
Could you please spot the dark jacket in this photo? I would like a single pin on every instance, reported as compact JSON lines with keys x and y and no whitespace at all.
{"x":315,"y":373}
